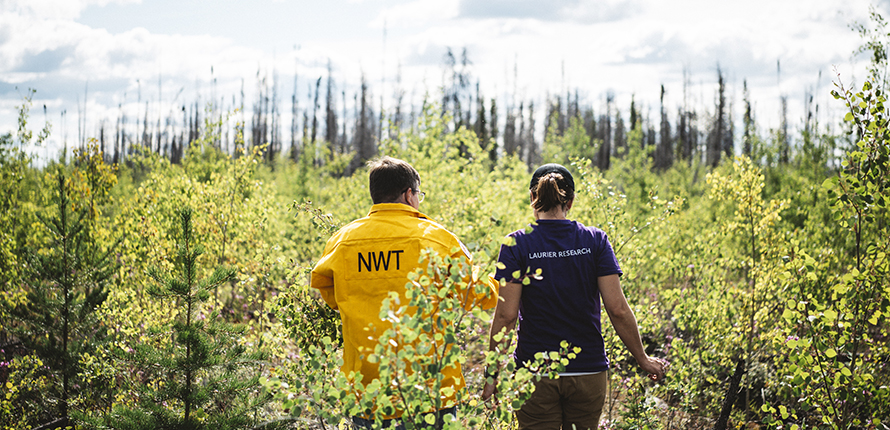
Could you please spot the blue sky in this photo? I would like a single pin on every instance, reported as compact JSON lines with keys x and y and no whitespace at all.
{"x":105,"y":56}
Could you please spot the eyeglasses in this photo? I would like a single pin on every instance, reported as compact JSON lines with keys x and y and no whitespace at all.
{"x":420,"y":194}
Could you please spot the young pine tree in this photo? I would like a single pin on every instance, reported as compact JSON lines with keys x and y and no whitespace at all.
{"x":66,"y":283}
{"x":200,"y":376}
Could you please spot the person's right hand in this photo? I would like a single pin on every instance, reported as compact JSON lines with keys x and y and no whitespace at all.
{"x":655,"y":367}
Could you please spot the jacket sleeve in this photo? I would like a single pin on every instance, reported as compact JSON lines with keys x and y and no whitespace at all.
{"x":489,"y":298}
{"x":481,"y":290}
{"x":322,"y":277}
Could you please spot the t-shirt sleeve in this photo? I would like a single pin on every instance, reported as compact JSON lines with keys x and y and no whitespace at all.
{"x":508,"y":264}
{"x":606,"y":262}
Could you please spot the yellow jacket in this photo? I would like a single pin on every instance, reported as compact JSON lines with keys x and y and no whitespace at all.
{"x":366,"y":260}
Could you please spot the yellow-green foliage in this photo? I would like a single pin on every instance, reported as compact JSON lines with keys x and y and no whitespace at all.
{"x":751,"y":260}
{"x":26,"y":380}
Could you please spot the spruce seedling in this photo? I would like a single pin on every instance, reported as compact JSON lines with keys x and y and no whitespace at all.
{"x":66,"y":285}
{"x":197,"y":367}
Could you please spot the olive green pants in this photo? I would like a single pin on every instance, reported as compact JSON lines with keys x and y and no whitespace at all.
{"x":565,"y":402}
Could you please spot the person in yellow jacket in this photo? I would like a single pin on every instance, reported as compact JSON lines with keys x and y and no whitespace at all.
{"x":372,"y":256}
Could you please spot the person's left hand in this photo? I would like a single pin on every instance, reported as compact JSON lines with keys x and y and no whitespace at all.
{"x":655,"y":367}
{"x":488,"y":392}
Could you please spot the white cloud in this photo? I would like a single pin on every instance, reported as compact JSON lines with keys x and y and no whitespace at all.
{"x":417,"y":13}
{"x":592,"y":11}
{"x":54,"y":9}
{"x":95,"y":54}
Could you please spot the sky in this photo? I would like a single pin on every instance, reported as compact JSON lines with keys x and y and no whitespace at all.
{"x":90,"y":60}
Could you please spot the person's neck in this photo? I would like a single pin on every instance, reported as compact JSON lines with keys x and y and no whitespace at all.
{"x":401,"y":202}
{"x":555,"y":213}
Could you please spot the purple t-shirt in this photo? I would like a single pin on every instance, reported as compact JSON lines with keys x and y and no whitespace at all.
{"x":565,"y":303}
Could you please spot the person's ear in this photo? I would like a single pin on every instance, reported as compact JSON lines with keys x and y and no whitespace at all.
{"x":569,"y":204}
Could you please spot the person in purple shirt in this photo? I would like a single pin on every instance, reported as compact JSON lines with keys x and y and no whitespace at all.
{"x":577,"y":267}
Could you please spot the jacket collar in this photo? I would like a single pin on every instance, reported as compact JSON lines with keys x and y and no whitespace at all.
{"x":389,"y":209}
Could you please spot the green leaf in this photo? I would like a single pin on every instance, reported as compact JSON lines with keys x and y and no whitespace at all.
{"x":787,"y":315}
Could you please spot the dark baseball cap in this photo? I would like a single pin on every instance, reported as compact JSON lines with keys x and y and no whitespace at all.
{"x":567,"y":182}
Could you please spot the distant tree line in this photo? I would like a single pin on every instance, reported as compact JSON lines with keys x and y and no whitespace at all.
{"x":505,"y":127}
